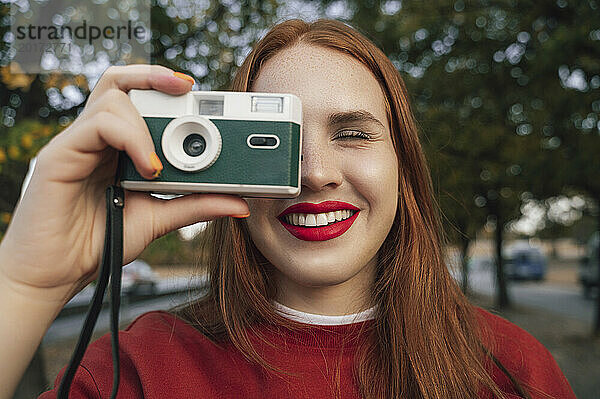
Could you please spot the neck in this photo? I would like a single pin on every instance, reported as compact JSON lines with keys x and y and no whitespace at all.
{"x":344,"y":298}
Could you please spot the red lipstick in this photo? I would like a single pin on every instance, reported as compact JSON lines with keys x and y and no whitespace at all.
{"x":320,"y":233}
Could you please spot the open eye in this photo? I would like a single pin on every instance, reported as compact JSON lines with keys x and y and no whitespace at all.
{"x":353,"y":133}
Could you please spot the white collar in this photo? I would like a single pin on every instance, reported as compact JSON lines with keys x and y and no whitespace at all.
{"x":324,"y":320}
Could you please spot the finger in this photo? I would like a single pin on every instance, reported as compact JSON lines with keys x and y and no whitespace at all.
{"x":80,"y":146}
{"x":168,"y":215}
{"x":118,"y":103}
{"x":154,"y":77}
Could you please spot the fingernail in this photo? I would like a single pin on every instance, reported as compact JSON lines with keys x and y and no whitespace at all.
{"x":240,"y":216}
{"x":156,"y":165}
{"x":184,"y":77}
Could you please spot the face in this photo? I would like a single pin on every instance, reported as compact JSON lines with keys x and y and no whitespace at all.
{"x":348,"y":157}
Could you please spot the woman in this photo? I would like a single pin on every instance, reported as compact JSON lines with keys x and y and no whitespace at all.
{"x":359,"y":308}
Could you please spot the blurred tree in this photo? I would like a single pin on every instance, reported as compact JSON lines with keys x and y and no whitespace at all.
{"x":566,"y":106}
{"x":17,"y":146}
{"x":172,"y":249}
{"x":208,"y":40}
{"x":560,"y":215}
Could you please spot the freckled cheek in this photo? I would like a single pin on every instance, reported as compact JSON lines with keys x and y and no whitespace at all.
{"x":254,"y":205}
{"x":376,"y":180}
{"x":259,"y":227}
{"x":259,"y":213}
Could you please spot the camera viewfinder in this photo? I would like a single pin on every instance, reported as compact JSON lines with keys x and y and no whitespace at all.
{"x":267,"y":104}
{"x":211,"y":107}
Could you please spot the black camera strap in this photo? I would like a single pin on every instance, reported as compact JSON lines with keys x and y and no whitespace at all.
{"x":112,"y":262}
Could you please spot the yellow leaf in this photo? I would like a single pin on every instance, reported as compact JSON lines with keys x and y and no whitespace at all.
{"x":16,"y":80}
{"x":13,"y":152}
{"x":46,"y":131}
{"x":26,"y":141}
{"x":52,"y":81}
{"x":81,"y":81}
{"x":2,"y":155}
{"x":5,"y":217}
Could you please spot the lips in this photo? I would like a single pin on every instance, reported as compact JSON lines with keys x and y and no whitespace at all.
{"x":323,"y":232}
{"x":327,"y":206}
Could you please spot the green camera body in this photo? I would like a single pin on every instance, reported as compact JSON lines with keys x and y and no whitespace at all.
{"x":241,"y":143}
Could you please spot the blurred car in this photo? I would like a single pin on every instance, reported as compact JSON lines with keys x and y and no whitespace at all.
{"x":524,"y":262}
{"x":481,"y":263}
{"x":138,"y":278}
{"x":588,"y":266}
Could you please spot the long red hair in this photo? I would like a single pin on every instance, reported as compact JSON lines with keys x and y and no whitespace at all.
{"x":426,"y":341}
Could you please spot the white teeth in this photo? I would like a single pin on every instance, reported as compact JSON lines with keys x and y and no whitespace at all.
{"x":311,"y":220}
{"x":330,"y":217}
{"x":321,"y":219}
{"x":338,"y":215}
{"x":318,"y":219}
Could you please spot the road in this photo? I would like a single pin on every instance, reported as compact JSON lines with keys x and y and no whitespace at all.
{"x":172,"y":292}
{"x":564,"y":300}
{"x":166,"y":285}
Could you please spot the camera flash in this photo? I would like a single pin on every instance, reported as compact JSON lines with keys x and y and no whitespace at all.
{"x":267,"y":104}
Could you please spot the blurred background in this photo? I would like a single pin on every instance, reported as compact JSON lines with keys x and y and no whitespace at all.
{"x":507,"y":96}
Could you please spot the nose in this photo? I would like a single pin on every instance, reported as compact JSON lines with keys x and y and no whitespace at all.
{"x":319,"y":168}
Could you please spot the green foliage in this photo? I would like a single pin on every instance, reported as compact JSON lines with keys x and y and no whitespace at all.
{"x":208,"y":41}
{"x":17,"y":146}
{"x":170,"y":249}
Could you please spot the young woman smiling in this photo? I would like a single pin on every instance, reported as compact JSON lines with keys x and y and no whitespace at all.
{"x":340,"y":292}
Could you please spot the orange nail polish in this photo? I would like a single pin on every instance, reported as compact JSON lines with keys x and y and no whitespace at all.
{"x":156,"y":164}
{"x":240,"y":216}
{"x":184,"y":77}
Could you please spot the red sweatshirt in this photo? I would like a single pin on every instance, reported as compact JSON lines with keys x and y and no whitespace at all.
{"x":164,"y":357}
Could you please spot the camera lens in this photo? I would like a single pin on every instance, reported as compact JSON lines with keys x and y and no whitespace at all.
{"x":194,"y":145}
{"x":191,"y":143}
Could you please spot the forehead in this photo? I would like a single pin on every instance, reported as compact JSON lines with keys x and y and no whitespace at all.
{"x":326,"y":80}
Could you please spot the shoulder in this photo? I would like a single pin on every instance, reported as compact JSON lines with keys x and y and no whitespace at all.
{"x":524,"y":357}
{"x":158,"y":333}
{"x":160,"y":322}
{"x":514,"y":347}
{"x":156,"y":329}
{"x":503,"y":331}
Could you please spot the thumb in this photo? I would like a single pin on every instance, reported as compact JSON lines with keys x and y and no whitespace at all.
{"x":168,"y":215}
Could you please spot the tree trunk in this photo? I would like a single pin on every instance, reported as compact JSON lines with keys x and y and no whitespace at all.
{"x":465,"y":241}
{"x":597,"y":282}
{"x":502,"y":300}
{"x":554,"y":252}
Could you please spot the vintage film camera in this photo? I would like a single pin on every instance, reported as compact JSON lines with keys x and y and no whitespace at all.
{"x":242,"y":143}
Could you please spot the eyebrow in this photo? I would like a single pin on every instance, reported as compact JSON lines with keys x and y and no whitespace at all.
{"x":361,"y":115}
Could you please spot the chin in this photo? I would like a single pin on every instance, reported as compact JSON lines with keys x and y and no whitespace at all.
{"x":317,"y":276}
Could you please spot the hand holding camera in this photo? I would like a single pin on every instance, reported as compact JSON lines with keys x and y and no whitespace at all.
{"x":53,"y":245}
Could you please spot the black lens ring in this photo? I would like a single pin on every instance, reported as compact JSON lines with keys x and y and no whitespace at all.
{"x":194,"y":145}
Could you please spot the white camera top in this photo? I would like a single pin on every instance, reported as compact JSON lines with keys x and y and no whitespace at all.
{"x":219,"y":105}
